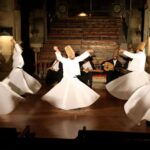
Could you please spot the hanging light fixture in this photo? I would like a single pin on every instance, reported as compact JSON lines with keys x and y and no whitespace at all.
{"x":82,"y":14}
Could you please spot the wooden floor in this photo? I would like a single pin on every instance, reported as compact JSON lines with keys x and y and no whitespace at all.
{"x":46,"y":121}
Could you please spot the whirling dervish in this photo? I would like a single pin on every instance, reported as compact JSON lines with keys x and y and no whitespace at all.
{"x":70,"y":92}
{"x":19,"y":80}
{"x":9,"y":99}
{"x":124,"y":86}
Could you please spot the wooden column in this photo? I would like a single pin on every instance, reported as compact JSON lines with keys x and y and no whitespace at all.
{"x":36,"y":48}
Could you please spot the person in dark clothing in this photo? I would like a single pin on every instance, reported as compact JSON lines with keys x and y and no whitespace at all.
{"x":112,"y":68}
{"x":86,"y":71}
{"x":54,"y":73}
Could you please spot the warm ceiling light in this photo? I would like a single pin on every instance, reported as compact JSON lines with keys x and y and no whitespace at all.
{"x":82,"y":14}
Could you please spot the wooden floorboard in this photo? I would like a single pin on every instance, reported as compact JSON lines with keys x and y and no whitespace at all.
{"x":46,"y":121}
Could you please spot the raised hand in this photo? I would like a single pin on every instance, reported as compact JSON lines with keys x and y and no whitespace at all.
{"x":56,"y":48}
{"x":90,"y":50}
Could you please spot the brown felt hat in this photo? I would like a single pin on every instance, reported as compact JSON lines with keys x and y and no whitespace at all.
{"x":69,"y":51}
{"x":141,"y":46}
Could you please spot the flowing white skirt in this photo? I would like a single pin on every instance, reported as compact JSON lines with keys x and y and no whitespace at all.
{"x":124,"y":86}
{"x":71,"y":94}
{"x":137,"y":108}
{"x":8,"y":99}
{"x":21,"y":82}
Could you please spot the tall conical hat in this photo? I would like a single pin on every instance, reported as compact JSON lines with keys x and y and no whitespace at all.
{"x":69,"y":51}
{"x":141,"y":46}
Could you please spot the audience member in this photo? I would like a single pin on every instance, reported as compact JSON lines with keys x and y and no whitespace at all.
{"x":112,"y":68}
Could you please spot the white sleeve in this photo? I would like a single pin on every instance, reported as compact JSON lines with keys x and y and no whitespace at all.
{"x":129,"y":54}
{"x":83,"y":56}
{"x":18,"y":48}
{"x":59,"y":56}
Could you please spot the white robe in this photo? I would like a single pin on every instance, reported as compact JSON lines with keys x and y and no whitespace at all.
{"x":20,"y":81}
{"x":8,"y":99}
{"x":138,"y":60}
{"x":70,"y":92}
{"x":17,"y":83}
{"x":124,"y":86}
{"x":137,"y":108}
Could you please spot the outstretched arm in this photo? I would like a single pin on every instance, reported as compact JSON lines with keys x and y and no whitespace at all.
{"x":58,"y":53}
{"x":127,"y":53}
{"x":90,"y":50}
{"x":56,"y":49}
{"x":84,"y":55}
{"x":17,"y":47}
{"x":17,"y":55}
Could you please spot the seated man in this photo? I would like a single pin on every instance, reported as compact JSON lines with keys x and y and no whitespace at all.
{"x":54,"y":73}
{"x":86,"y":71}
{"x":112,"y":67}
